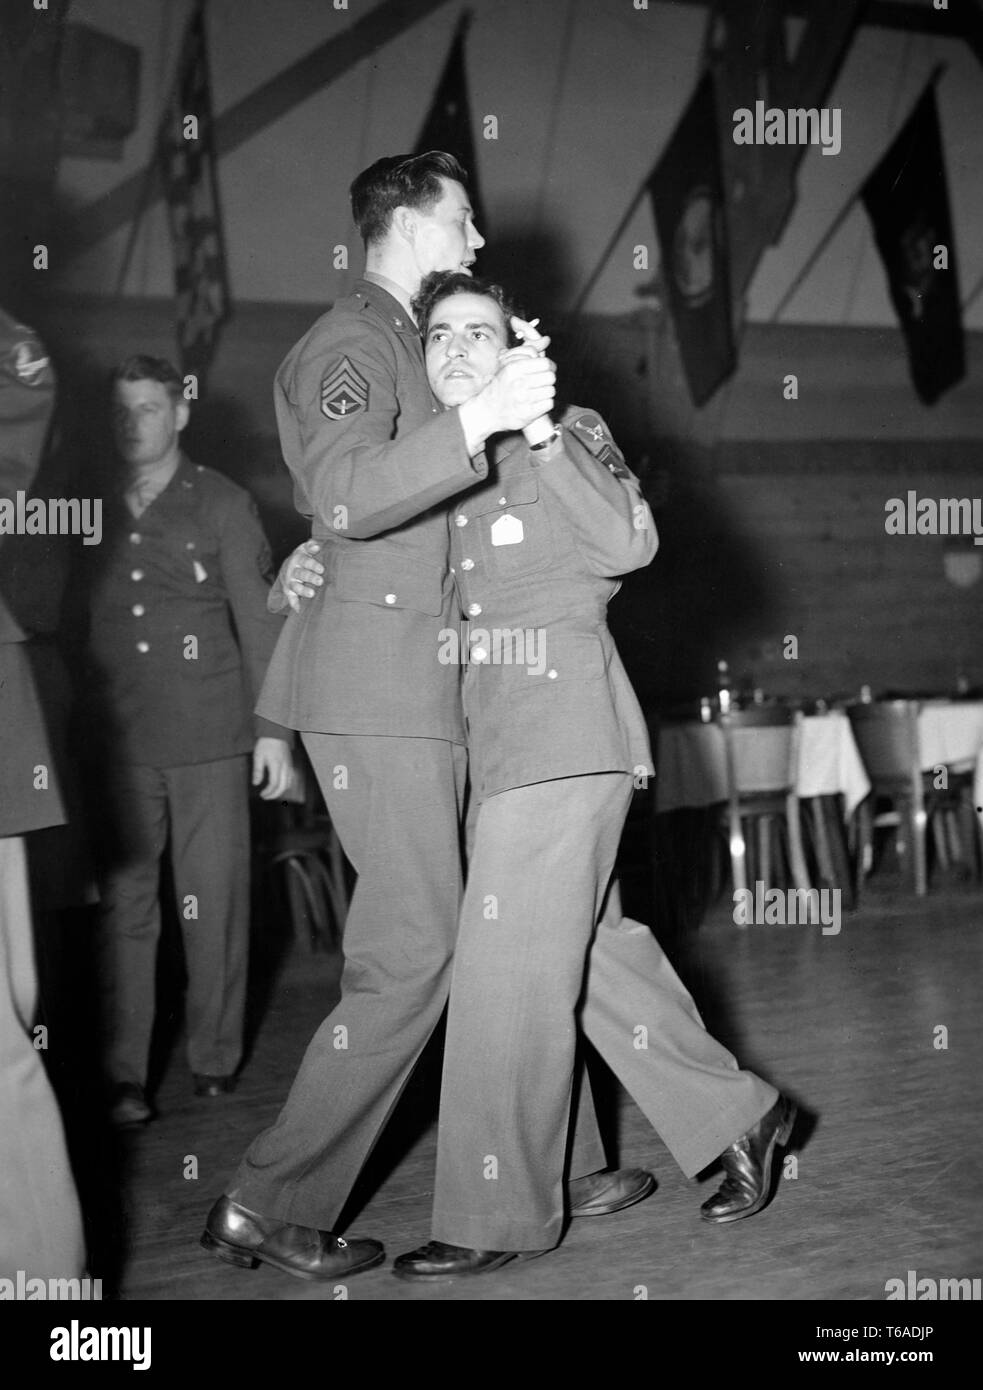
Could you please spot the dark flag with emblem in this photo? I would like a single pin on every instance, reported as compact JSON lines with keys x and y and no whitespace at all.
{"x":188,"y":173}
{"x":448,"y":123}
{"x":908,"y":203}
{"x":687,"y":197}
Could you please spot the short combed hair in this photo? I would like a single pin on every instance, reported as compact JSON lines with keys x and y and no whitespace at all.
{"x":141,"y":367}
{"x":441,"y":284}
{"x":400,"y":180}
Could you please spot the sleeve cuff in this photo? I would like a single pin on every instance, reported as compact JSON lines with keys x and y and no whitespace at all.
{"x":265,"y":728}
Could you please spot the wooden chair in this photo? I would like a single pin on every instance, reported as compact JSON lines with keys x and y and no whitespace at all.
{"x":761,"y":749}
{"x":887,"y":736}
{"x":957,"y":827}
{"x":830,"y":846}
{"x":684,"y":853}
{"x":309,"y":863}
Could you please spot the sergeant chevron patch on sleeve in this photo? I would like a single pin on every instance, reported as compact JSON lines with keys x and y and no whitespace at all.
{"x":344,"y":391}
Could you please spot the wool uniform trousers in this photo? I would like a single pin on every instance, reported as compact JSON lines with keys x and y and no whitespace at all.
{"x":40,"y":1220}
{"x":204,"y":807}
{"x":543,"y":947}
{"x":397,"y":805}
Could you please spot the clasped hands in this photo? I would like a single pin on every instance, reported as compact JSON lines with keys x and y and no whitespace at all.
{"x":521,"y":399}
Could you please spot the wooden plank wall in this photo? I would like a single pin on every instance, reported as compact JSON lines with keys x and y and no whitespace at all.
{"x":764,"y":541}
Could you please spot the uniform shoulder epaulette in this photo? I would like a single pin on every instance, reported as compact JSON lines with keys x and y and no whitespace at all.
{"x":216,"y":483}
{"x":593,"y":433}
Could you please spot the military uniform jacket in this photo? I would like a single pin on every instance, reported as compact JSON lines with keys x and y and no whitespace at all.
{"x":374,"y":461}
{"x":29,"y":795}
{"x":179,"y":633}
{"x":536,"y":553}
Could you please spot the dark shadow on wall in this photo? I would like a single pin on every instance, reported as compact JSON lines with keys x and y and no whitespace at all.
{"x":710,"y":591}
{"x":221,"y":435}
{"x":534,"y":268}
{"x":706,"y":595}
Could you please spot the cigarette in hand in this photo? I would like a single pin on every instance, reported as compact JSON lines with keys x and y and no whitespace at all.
{"x":528,"y":334}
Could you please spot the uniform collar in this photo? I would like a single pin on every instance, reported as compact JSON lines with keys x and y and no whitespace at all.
{"x":384,"y":294}
{"x":181,"y":480}
{"x":186,"y":475}
{"x":505,"y":445}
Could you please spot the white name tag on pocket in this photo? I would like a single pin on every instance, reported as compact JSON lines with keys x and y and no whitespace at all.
{"x":507,"y":530}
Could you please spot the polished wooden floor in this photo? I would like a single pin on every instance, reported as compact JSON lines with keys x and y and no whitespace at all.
{"x":888,"y":1180}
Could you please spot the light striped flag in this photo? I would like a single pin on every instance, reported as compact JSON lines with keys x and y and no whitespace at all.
{"x":187,"y":164}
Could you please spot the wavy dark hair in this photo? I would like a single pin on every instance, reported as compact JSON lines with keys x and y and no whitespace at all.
{"x":441,"y":284}
{"x":400,"y":180}
{"x":142,"y":367}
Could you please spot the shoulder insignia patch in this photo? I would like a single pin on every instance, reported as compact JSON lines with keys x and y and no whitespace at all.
{"x":30,"y":361}
{"x":600,"y":443}
{"x":344,"y":391}
{"x":591,"y":426}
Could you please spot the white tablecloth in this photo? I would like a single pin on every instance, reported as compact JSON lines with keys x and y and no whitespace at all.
{"x":950,"y":732}
{"x":692,"y":771}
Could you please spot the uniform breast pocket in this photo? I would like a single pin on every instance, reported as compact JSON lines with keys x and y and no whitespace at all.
{"x":514,"y":524}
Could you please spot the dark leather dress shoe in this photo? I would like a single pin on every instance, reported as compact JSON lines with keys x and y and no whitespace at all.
{"x":601,"y":1193}
{"x":435,"y":1261}
{"x":206,"y":1085}
{"x":129,"y":1108}
{"x":242,"y":1237}
{"x":747,"y":1164}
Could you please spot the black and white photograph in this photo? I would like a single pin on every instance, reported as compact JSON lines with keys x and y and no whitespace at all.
{"x":491,"y":668}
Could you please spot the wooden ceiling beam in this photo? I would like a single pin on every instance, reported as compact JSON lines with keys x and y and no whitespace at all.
{"x":266,"y":104}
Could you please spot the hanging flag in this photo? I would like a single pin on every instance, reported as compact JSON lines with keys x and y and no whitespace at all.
{"x":788,"y":60}
{"x":187,"y":163}
{"x":448,"y":123}
{"x":31,"y":129}
{"x":30,"y":93}
{"x":687,"y":197}
{"x":908,"y":203}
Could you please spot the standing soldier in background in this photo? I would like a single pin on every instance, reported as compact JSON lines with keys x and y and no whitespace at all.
{"x":40,"y":1222}
{"x":178,"y":642}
